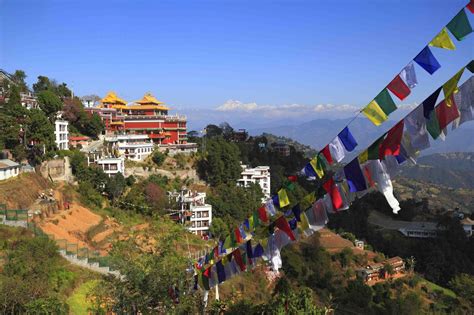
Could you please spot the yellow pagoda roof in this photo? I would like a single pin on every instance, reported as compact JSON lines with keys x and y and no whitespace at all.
{"x":149,"y":99}
{"x":112,"y":98}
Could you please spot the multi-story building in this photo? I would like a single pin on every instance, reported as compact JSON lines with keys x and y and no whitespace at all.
{"x":146,"y":116}
{"x":62,"y":134}
{"x":112,"y":166}
{"x":376,"y":272}
{"x":193,"y":210}
{"x":133,"y":146}
{"x":257,"y":175}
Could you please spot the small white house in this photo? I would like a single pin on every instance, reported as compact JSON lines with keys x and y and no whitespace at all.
{"x":258,"y":175}
{"x":62,"y":134}
{"x":134,"y":147}
{"x":9,"y":169}
{"x":111,"y":166}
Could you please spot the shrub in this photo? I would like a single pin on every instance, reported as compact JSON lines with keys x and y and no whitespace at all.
{"x":158,"y":158}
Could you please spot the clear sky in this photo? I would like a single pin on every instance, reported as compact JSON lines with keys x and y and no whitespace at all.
{"x":200,"y":54}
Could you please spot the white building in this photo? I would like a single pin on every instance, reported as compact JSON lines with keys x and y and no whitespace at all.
{"x":111,"y":166}
{"x":197,"y":212}
{"x":468,"y":226}
{"x":8,"y":169}
{"x":133,"y":147}
{"x":62,"y":134}
{"x":259,"y":175}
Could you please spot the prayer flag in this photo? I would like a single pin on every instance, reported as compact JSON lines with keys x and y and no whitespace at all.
{"x":427,"y":60}
{"x":205,"y":281}
{"x":373,"y":152}
{"x":347,"y":139}
{"x":270,"y":207}
{"x":451,"y":86}
{"x":333,"y":192}
{"x":445,"y":113}
{"x":459,"y":26}
{"x":399,"y":88}
{"x":318,"y":166}
{"x":233,"y":242}
{"x":327,"y":154}
{"x":238,"y":259}
{"x":364,"y":156}
{"x":408,"y":75}
{"x":432,"y":125}
{"x":258,"y":251}
{"x":283,"y":198}
{"x":415,"y":125}
{"x":262,"y":214}
{"x":248,"y":247}
{"x":430,"y":102}
{"x":385,"y":101}
{"x":297,"y":212}
{"x":470,"y":6}
{"x":247,"y":224}
{"x":220,"y":271}
{"x":470,"y":66}
{"x":293,"y":224}
{"x":375,"y":113}
{"x":337,"y":149}
{"x":255,"y":220}
{"x":391,"y":143}
{"x":308,"y":200}
{"x":305,"y":224}
{"x":308,"y":171}
{"x":442,"y":40}
{"x":354,"y":176}
{"x":238,"y":236}
{"x":283,"y":225}
{"x":293,"y":178}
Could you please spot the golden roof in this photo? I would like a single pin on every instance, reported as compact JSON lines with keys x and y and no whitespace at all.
{"x":149,"y":99}
{"x":112,"y":98}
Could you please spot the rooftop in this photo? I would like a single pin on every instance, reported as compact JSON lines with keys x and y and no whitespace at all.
{"x":6,"y":163}
{"x":112,"y":98}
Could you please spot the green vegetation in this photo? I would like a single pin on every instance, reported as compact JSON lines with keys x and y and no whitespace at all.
{"x":158,"y":158}
{"x":80,"y":301}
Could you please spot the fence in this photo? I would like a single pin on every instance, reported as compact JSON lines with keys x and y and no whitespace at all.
{"x":71,"y":251}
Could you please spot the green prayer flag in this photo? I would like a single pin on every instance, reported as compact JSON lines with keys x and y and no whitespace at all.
{"x":433,"y":126}
{"x":289,"y":185}
{"x":256,"y":220}
{"x":386,"y":102}
{"x":227,"y":242}
{"x":373,"y":150}
{"x":233,"y":242}
{"x":459,"y":26}
{"x":205,"y":282}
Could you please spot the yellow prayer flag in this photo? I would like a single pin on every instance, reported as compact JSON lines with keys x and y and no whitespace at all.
{"x":317,"y":165}
{"x":451,"y":86}
{"x":364,"y":157}
{"x":308,"y":200}
{"x":442,"y":40}
{"x":304,"y":221}
{"x":283,"y":198}
{"x":375,"y":113}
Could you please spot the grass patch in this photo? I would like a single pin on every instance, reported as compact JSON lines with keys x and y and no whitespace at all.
{"x":434,"y":287}
{"x":78,"y":302}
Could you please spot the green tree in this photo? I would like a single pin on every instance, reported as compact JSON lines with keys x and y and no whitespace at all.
{"x":115,"y":186}
{"x":221,"y":163}
{"x":49,"y":103}
{"x":9,"y":132}
{"x":219,"y":229}
{"x":158,"y":158}
{"x":19,"y":77}
{"x":40,"y":130}
{"x":463,"y":285}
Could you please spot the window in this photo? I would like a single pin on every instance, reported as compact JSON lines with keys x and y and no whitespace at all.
{"x":198,"y":223}
{"x":113,"y":167}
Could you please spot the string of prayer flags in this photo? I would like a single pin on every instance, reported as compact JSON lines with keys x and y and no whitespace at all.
{"x":283,"y":225}
{"x":283,"y":198}
{"x":375,"y":113}
{"x":427,"y":60}
{"x":337,"y":149}
{"x":354,"y":176}
{"x":459,"y":26}
{"x":327,"y":154}
{"x":470,"y":6}
{"x":399,"y":88}
{"x":451,"y":86}
{"x":430,"y":102}
{"x":442,"y":40}
{"x":333,"y":192}
{"x":408,"y":75}
{"x":445,"y":113}
{"x":391,"y":143}
{"x":347,"y":139}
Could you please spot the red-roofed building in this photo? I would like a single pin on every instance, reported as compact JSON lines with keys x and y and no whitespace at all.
{"x":82,"y":140}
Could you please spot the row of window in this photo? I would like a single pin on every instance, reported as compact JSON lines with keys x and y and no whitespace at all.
{"x":200,"y":224}
{"x":203,"y":214}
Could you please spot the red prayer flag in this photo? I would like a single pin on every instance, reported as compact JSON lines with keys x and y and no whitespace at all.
{"x":293,"y":178}
{"x":399,"y":88}
{"x":262,"y":214}
{"x":327,"y":154}
{"x":238,"y":259}
{"x":333,"y":192}
{"x":207,"y":271}
{"x":391,"y":143}
{"x":470,"y":6}
{"x":368,"y":176}
{"x":283,"y":225}
{"x":445,"y":113}
{"x":216,"y":252}
{"x":238,"y":237}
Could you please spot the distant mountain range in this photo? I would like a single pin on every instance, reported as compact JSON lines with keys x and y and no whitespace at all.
{"x":319,"y":132}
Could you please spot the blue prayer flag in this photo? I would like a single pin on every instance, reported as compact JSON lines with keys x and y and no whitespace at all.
{"x":297,"y":212}
{"x":309,"y":171}
{"x":220,"y":271}
{"x":258,"y":251}
{"x":347,"y":139}
{"x":249,"y":249}
{"x":276,"y":201}
{"x":427,"y":60}
{"x":354,"y":176}
{"x":293,"y":223}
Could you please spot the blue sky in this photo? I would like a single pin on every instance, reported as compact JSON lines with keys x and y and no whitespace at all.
{"x":200,"y":54}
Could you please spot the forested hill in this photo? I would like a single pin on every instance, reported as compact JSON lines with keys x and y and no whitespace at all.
{"x":455,"y":170}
